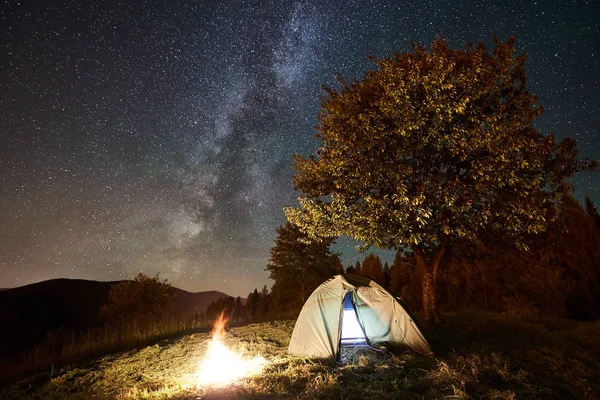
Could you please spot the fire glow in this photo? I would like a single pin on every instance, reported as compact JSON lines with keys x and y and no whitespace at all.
{"x":222,"y":366}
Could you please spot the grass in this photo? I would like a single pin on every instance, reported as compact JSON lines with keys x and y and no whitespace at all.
{"x":63,"y":346}
{"x":477,"y":355}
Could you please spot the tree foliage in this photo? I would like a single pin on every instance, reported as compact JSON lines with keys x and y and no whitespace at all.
{"x":354,"y":269}
{"x":558,"y":276}
{"x":142,"y":298}
{"x":386,"y":275}
{"x":373,"y":269}
{"x":590,"y":208}
{"x":257,"y":305}
{"x":223,"y":305}
{"x":403,"y":282}
{"x":430,"y":147}
{"x":298,"y":267}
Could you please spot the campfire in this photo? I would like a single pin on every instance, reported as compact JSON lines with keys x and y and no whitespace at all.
{"x":221,"y":365}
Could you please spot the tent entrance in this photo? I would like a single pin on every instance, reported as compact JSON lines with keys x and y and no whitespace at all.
{"x":352,"y":333}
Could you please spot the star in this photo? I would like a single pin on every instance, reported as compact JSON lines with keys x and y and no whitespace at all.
{"x":159,"y":136}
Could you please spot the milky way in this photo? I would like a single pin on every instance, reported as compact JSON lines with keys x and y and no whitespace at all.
{"x":158,"y":136}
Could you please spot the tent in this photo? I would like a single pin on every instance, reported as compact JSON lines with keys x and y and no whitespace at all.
{"x":383,"y":320}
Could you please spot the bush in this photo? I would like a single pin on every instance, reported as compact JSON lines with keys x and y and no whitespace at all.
{"x":140,"y":299}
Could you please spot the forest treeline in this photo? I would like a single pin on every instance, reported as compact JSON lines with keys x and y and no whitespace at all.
{"x":556,"y":272}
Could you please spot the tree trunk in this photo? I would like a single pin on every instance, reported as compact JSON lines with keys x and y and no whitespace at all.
{"x":429,"y":274}
{"x":429,"y":304}
{"x":483,"y":284}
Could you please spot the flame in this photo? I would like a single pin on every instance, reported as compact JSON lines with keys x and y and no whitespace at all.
{"x":221,"y":365}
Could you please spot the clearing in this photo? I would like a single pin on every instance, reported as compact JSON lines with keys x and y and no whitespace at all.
{"x":478,"y":355}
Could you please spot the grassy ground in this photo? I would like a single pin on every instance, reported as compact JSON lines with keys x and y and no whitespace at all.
{"x":477,"y":356}
{"x":64,"y":346}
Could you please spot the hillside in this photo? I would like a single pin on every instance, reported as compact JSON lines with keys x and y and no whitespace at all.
{"x":71,"y":304}
{"x":478,"y":355}
{"x":194,"y":303}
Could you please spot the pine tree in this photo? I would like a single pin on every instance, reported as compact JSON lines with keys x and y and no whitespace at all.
{"x":355,"y":269}
{"x":298,"y":267}
{"x":590,"y":208}
{"x":373,"y":269}
{"x":386,"y":275}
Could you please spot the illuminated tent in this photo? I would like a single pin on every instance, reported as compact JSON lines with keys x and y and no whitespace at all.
{"x":382,"y":319}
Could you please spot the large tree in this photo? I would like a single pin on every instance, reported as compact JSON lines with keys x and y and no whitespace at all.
{"x":298,"y":267}
{"x":432,"y":146}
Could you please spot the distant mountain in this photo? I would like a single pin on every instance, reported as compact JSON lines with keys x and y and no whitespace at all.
{"x":190,"y":304}
{"x":28,"y":313}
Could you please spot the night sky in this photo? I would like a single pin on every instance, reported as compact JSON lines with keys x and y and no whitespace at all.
{"x":158,"y":136}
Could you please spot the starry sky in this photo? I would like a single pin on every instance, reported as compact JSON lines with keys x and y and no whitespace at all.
{"x":158,"y":136}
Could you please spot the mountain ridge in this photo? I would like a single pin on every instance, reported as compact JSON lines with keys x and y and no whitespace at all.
{"x":28,"y":313}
